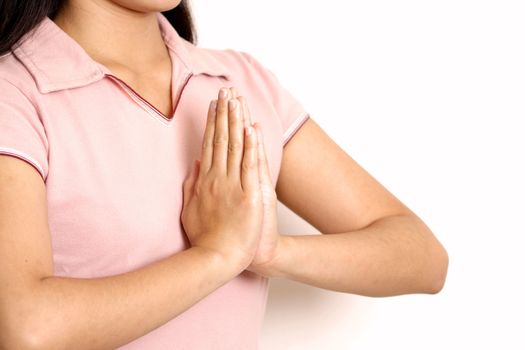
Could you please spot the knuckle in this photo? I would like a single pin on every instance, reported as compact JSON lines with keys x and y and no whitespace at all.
{"x":235,"y":147}
{"x":247,"y":165}
{"x":233,"y":120}
{"x":249,"y":144}
{"x":222,"y":108}
{"x":220,"y":139}
{"x":206,"y":144}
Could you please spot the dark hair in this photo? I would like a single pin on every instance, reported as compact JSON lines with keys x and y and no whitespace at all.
{"x":19,"y":17}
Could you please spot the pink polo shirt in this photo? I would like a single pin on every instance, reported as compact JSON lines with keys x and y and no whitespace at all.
{"x":113,"y":165}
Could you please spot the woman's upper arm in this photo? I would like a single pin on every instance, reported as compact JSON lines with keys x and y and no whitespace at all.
{"x":25,"y":244}
{"x":322,"y":184}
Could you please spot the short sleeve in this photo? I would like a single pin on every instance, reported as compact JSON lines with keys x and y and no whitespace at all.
{"x":291,"y":112}
{"x":22,"y":133}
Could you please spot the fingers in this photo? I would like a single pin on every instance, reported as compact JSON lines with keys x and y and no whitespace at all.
{"x":207,"y":141}
{"x":251,"y":174}
{"x":245,"y":111}
{"x":249,"y":171}
{"x":264,"y":169}
{"x":235,"y":139}
{"x":234,"y":91}
{"x":224,"y":143}
{"x":220,"y":139}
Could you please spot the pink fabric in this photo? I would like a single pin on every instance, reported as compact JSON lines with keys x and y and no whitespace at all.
{"x":113,"y":166}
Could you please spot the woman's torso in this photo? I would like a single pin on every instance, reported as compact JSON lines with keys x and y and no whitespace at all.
{"x":114,"y":166}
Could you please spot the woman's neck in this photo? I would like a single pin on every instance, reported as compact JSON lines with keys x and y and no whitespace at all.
{"x":115,"y":36}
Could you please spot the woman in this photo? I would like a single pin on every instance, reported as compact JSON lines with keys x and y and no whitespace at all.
{"x":112,"y":236}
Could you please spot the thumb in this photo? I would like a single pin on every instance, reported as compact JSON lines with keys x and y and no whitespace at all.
{"x":189,"y":182}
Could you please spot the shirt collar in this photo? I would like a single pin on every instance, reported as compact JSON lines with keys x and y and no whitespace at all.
{"x":56,"y":61}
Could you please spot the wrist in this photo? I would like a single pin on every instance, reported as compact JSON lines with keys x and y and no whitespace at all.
{"x":231,"y":264}
{"x":275,"y":268}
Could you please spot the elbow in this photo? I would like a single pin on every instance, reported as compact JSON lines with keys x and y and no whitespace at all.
{"x":433,"y":262}
{"x":25,"y":328}
{"x":15,"y":337}
{"x":437,"y":270}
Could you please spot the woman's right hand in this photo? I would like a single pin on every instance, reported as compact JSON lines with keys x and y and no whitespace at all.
{"x":223,"y":208}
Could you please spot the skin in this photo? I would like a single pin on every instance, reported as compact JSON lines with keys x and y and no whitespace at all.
{"x":224,"y":187}
{"x":112,"y":32}
{"x":372,"y":244}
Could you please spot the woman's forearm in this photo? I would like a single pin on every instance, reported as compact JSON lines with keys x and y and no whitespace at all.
{"x":394,"y":255}
{"x":104,"y":313}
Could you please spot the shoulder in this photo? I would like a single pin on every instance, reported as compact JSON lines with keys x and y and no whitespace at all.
{"x":226,"y":57}
{"x":15,"y":78}
{"x":238,"y":64}
{"x":241,"y":63}
{"x":243,"y":70}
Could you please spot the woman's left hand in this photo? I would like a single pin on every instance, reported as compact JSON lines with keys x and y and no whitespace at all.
{"x":270,"y":240}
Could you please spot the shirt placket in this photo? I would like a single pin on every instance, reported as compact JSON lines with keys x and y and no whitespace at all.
{"x":142,"y":102}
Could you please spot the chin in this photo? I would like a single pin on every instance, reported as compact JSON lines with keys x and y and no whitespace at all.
{"x":148,"y":5}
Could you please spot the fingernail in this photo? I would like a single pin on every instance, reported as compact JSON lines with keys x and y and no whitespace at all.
{"x":213,"y":104}
{"x":223,"y":93}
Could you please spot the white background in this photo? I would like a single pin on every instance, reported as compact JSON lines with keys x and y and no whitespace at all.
{"x":429,"y":97}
